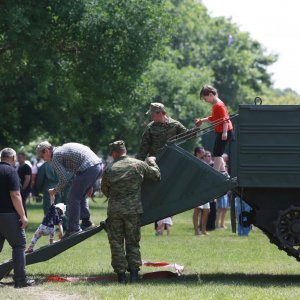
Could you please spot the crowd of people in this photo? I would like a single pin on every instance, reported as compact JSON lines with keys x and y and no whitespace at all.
{"x":66,"y":174}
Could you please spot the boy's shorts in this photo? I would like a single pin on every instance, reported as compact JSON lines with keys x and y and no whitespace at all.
{"x":219,"y":146}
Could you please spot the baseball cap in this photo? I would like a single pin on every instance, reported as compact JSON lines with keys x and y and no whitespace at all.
{"x":155,"y":107}
{"x":42,"y":146}
{"x":117,"y":146}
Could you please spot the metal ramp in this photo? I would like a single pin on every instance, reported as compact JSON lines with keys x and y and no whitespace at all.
{"x":186,"y":183}
{"x":47,"y":252}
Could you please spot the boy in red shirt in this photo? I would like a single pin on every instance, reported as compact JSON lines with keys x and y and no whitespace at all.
{"x":223,"y":130}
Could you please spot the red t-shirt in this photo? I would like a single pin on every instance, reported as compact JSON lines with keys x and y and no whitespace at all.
{"x":219,"y":113}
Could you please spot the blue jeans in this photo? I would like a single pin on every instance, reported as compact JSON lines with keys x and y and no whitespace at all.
{"x":240,"y":207}
{"x":11,"y":231}
{"x":78,"y":207}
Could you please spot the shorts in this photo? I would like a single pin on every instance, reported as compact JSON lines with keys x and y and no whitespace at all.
{"x":167,"y":221}
{"x":205,"y":206}
{"x":219,"y":146}
{"x":222,"y":202}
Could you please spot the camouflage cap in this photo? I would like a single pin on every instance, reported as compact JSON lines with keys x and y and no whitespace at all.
{"x":156,"y":107}
{"x":117,"y":146}
{"x":42,"y":146}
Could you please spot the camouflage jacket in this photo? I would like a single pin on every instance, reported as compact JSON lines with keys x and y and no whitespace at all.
{"x":156,"y":136}
{"x":121,"y":184}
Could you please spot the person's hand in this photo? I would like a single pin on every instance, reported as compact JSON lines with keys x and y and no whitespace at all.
{"x":24,"y":222}
{"x":198,"y":122}
{"x":151,"y":159}
{"x":52,"y":193}
{"x":90,"y":192}
{"x":224,"y":136}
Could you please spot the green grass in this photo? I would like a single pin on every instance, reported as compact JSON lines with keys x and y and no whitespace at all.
{"x":219,"y":266}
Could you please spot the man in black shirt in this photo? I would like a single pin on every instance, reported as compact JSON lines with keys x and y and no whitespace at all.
{"x":13,"y":220}
{"x":25,"y":174}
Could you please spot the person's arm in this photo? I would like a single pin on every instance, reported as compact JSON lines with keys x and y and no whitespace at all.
{"x":198,"y":122}
{"x":105,"y":185}
{"x":145,"y":145}
{"x":26,"y":182}
{"x":152,"y":171}
{"x":180,"y":128}
{"x":18,"y":205}
{"x":225,"y":129}
{"x":60,"y":231}
{"x":63,"y":176}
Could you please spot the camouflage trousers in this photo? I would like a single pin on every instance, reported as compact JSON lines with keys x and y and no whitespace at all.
{"x":124,"y":229}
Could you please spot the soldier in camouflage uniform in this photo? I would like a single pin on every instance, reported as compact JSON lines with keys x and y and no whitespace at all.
{"x":158,"y":131}
{"x":121,"y":184}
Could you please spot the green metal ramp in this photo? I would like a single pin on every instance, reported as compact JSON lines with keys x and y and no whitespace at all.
{"x":186,"y":183}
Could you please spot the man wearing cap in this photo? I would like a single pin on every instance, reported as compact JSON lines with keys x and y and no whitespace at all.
{"x":13,"y":220}
{"x":158,"y":131}
{"x":121,"y":184}
{"x":76,"y":162}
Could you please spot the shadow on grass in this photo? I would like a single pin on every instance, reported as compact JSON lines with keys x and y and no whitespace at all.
{"x":229,"y":279}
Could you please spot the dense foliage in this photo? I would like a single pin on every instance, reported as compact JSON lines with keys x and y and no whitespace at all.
{"x":67,"y":66}
{"x":86,"y":70}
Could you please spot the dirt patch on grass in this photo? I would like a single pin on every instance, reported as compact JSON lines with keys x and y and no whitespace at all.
{"x":42,"y":294}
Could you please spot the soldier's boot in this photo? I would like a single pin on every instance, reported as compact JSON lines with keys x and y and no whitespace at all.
{"x":122,"y":278}
{"x":134,"y":276}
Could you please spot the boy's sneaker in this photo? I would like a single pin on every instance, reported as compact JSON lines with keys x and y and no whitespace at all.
{"x":27,"y":282}
{"x":86,"y":224}
{"x":225,"y":174}
{"x":29,"y":250}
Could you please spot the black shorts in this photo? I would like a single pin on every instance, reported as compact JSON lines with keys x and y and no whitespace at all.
{"x":219,"y":146}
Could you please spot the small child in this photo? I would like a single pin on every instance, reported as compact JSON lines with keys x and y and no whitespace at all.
{"x":47,"y":227}
{"x":164,"y":224}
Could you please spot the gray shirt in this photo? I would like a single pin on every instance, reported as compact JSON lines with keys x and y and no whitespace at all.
{"x":72,"y":159}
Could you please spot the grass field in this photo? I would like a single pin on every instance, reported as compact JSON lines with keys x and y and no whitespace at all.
{"x":219,"y":266}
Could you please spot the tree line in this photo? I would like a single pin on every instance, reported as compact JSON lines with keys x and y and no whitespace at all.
{"x":87,"y":70}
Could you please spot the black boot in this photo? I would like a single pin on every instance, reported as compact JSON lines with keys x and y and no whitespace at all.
{"x":134,"y":275}
{"x":122,"y":278}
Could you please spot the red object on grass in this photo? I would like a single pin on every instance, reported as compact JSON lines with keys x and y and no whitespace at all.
{"x":151,"y":275}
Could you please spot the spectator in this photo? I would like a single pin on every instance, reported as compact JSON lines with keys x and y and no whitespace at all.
{"x":46,"y":179}
{"x":208,"y":158}
{"x":34,"y":170}
{"x":222,"y":206}
{"x":242,"y":206}
{"x":212,"y":204}
{"x":163,"y":225}
{"x":200,"y":212}
{"x":24,"y":171}
{"x":13,"y":220}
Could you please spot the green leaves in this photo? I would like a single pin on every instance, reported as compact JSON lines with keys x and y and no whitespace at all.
{"x":67,"y":64}
{"x":86,"y":70}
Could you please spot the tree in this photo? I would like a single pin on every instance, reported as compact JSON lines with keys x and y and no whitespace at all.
{"x":198,"y":53}
{"x":65,"y":66}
